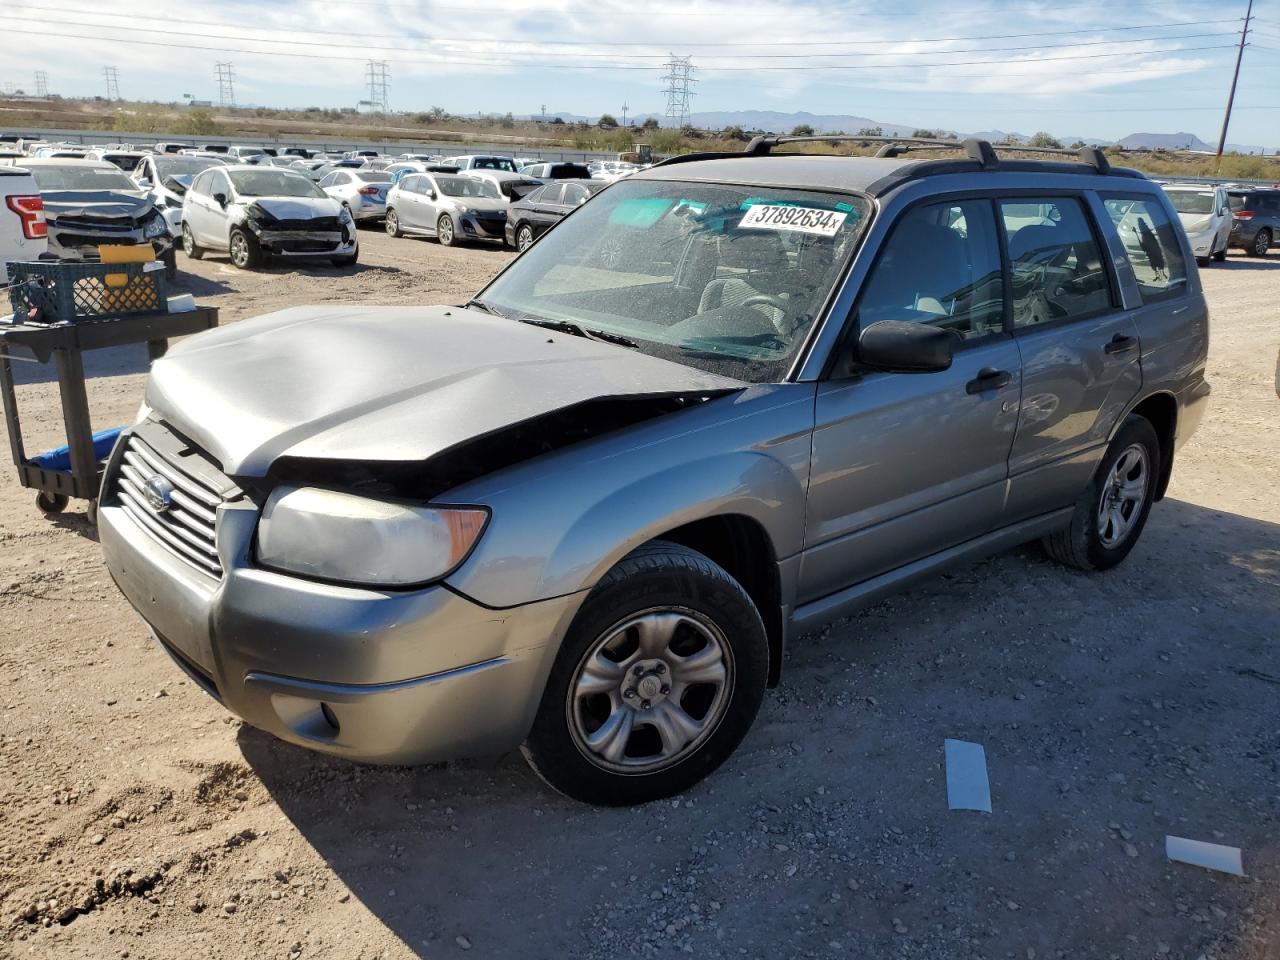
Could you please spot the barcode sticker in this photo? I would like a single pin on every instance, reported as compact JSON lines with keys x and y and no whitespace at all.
{"x":823,"y":223}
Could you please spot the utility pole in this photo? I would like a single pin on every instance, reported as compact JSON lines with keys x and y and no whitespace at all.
{"x":625,"y":108}
{"x":112,"y":76}
{"x":42,"y":84}
{"x":226,"y":77}
{"x":1231,"y":97}
{"x":378,"y":75}
{"x":678,"y":77}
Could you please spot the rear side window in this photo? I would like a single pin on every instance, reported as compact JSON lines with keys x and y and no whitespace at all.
{"x":941,"y":266}
{"x":1151,"y":244}
{"x":1055,"y":264}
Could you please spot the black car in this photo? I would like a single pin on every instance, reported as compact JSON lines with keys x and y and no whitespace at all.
{"x":546,"y":206}
{"x":1255,"y":219}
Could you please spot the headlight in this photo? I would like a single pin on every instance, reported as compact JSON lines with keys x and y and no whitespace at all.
{"x":156,"y":226}
{"x":144,"y":411}
{"x":338,"y":536}
{"x":463,"y":208}
{"x":344,"y":215}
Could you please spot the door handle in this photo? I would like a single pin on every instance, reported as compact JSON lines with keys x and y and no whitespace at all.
{"x":1120,"y":343}
{"x":988,"y":378}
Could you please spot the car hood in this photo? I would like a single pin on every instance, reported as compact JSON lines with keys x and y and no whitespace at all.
{"x":1194,"y":219}
{"x":95,"y":203}
{"x":296,"y":208}
{"x":387,"y":383}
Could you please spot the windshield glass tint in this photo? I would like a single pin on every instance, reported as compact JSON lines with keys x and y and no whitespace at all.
{"x":184,"y":166}
{"x":273,"y":183}
{"x":1188,"y":201}
{"x":468,"y":187}
{"x":81,"y":178}
{"x":725,"y":278}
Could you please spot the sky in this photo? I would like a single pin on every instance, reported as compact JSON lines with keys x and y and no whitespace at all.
{"x":1076,"y":68}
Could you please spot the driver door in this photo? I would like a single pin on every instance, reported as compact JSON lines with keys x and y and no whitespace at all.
{"x":908,"y":464}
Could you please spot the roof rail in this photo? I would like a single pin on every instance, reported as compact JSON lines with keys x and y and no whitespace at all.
{"x":980,"y":150}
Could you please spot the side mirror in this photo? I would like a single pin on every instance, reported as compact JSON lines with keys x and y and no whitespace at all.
{"x":906,"y":347}
{"x":143,"y":182}
{"x":221,"y":199}
{"x":431,"y":194}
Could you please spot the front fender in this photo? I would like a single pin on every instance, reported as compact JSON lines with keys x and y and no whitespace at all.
{"x":558,"y":525}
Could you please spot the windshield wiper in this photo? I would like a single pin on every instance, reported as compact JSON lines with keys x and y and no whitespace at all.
{"x":481,"y":305}
{"x":568,"y":326}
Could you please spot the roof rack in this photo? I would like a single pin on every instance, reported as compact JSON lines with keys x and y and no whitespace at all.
{"x":980,"y":150}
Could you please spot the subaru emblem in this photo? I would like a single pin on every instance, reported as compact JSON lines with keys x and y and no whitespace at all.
{"x":159,"y":493}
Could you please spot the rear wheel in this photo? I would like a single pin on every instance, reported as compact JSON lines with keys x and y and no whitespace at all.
{"x":524,"y":237}
{"x":444,"y":231}
{"x":1111,"y":513}
{"x":1261,"y":243}
{"x":393,"y":223}
{"x":244,"y":250}
{"x":656,"y":683}
{"x":189,"y":245}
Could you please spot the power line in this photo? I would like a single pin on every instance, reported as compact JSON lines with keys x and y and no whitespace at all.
{"x":505,"y":41}
{"x":678,"y":78}
{"x":377,"y":75}
{"x":511,"y":62}
{"x":112,"y":76}
{"x":226,"y":84}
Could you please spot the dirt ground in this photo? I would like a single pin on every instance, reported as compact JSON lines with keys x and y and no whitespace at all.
{"x":138,"y":819}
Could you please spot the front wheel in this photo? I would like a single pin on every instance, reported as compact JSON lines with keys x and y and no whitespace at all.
{"x":1110,"y":514}
{"x":656,"y":683}
{"x":345,"y":261}
{"x":393,"y":224}
{"x":244,"y":250}
{"x":1221,"y":255}
{"x":1261,"y":243}
{"x":444,"y":231}
{"x":170,"y":261}
{"x":189,"y":245}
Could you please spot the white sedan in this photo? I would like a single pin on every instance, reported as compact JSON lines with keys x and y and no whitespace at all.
{"x":363,"y":192}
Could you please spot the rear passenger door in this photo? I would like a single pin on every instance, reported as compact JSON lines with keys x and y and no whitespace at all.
{"x":549,"y":209}
{"x":1078,"y":344}
{"x":905,"y":465}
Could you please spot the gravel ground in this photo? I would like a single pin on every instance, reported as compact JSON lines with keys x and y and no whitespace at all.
{"x":138,"y":819}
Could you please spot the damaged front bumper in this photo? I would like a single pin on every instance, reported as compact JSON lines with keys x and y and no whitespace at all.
{"x":383,"y":676}
{"x":305,"y":243}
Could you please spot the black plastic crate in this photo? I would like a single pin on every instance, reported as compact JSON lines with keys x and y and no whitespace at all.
{"x":61,"y":291}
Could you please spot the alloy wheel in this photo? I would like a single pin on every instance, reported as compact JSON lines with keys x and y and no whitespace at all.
{"x":1123,"y":495}
{"x":650,"y":690}
{"x":239,"y":250}
{"x":1261,"y":243}
{"x":524,"y":238}
{"x":445,"y":230}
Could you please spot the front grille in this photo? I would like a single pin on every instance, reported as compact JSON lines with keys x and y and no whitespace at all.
{"x":186,"y":528}
{"x":304,"y":246}
{"x":315,"y":223}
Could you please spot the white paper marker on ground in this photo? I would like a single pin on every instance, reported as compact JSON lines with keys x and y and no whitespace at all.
{"x":1211,"y":856}
{"x":967,"y":786}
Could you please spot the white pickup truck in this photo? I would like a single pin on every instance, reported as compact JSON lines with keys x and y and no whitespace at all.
{"x":23,"y":231}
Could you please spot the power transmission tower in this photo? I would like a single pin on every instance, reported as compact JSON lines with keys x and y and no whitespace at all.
{"x":226,"y":84}
{"x":679,"y":77}
{"x":378,"y":75}
{"x":1231,"y":97}
{"x":112,"y":76}
{"x":42,"y":84}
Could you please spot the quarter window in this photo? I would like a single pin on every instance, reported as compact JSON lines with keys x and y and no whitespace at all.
{"x":941,"y":266}
{"x":1055,"y":264}
{"x":1151,"y":244}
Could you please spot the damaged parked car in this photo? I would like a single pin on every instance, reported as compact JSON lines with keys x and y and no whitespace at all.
{"x":585,"y":511}
{"x":256,"y":212}
{"x":88,"y":203}
{"x":166,"y":177}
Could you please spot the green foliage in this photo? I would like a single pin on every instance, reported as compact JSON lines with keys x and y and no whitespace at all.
{"x":1042,"y":139}
{"x":736,"y":133}
{"x":607,"y":120}
{"x":926,"y":134}
{"x":650,"y":123}
{"x":667,"y":142}
{"x":871,"y":132}
{"x":802,"y":130}
{"x":199,"y":122}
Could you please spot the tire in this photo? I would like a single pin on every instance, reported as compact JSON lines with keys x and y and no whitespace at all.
{"x":91,"y":513}
{"x":524,"y":237}
{"x":170,"y":261}
{"x":189,"y":246}
{"x":244,"y":250}
{"x":1202,"y":261}
{"x":1261,"y":243}
{"x":393,"y":223}
{"x":1091,"y":541}
{"x":346,"y":261}
{"x":445,"y":232}
{"x":51,"y":504}
{"x":1221,"y":255}
{"x":688,"y":606}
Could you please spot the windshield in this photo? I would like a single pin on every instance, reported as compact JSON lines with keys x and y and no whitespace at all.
{"x":373,"y":176}
{"x":724,"y":278}
{"x":183,"y":166}
{"x":1191,"y":201}
{"x":273,"y":183}
{"x":81,"y":178}
{"x":468,"y":187}
{"x":494,"y":163}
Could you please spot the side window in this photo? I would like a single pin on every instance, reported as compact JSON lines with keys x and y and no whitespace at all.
{"x":219,"y":183}
{"x":940,"y":265}
{"x":552,"y":193}
{"x":200,"y":185}
{"x":574,"y":194}
{"x":1056,"y":267}
{"x":1151,"y":244}
{"x":410,"y":184}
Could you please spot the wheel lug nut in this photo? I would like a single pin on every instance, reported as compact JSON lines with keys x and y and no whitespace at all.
{"x":638,"y":671}
{"x":660,"y":668}
{"x":665,"y":689}
{"x":645,"y":704}
{"x":629,"y":693}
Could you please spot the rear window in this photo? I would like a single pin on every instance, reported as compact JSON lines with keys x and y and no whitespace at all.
{"x":1192,"y":201}
{"x":373,"y":176}
{"x":1151,"y":243}
{"x":81,"y":178}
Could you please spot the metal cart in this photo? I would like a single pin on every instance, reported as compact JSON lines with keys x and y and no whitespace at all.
{"x":64,"y":343}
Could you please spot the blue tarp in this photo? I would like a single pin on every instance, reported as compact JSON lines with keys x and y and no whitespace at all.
{"x":60,"y":457}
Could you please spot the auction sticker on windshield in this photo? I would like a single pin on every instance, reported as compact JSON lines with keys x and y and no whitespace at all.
{"x":765,"y":216}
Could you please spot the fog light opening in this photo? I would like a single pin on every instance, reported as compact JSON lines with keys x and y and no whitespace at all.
{"x":330,"y":717}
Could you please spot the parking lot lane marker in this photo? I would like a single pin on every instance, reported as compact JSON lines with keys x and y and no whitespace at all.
{"x":1211,"y":856}
{"x":967,"y":785}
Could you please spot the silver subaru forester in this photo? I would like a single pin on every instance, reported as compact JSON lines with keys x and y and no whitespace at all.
{"x":726,"y":400}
